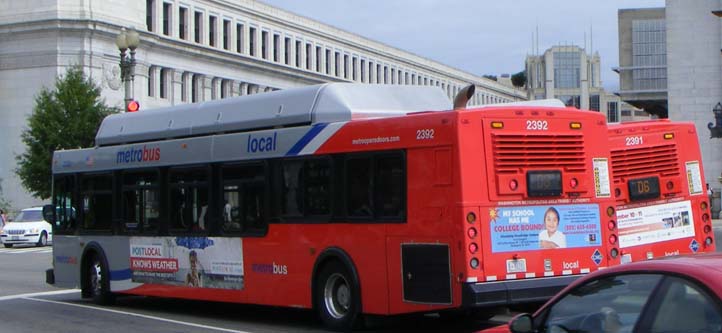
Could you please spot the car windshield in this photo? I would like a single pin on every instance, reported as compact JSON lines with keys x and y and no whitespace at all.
{"x":29,"y":216}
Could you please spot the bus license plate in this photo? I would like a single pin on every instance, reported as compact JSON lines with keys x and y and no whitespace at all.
{"x":516,"y":266}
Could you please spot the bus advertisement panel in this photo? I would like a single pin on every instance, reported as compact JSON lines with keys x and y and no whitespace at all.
{"x":659,"y":186}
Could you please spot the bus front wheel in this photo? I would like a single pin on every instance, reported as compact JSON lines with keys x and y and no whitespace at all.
{"x":97,"y":280}
{"x":337,"y":297}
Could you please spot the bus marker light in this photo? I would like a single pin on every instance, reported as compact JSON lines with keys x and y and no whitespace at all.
{"x":473,"y":248}
{"x":575,"y":125}
{"x":513,"y":185}
{"x":612,"y":239}
{"x":497,"y":124}
{"x":705,"y":217}
{"x":668,"y":136}
{"x":670,"y":185}
{"x":703,"y":205}
{"x":610,"y":211}
{"x":471,"y":217}
{"x":614,"y":253}
{"x":573,"y":183}
{"x":611,"y":225}
{"x":617,"y":192}
{"x":471,"y":232}
{"x":708,"y":241}
{"x":707,"y":229}
{"x":474,"y":263}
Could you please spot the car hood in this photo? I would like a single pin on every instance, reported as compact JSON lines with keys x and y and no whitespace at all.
{"x":25,"y":225}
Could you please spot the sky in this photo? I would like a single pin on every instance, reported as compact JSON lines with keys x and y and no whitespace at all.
{"x":479,"y":36}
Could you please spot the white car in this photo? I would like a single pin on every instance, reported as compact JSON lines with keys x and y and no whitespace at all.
{"x":28,"y":227}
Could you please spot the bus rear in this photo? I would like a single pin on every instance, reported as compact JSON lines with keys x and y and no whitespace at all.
{"x":536,"y":204}
{"x":659,"y":187}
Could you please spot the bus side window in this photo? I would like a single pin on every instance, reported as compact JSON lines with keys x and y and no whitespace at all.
{"x":188,"y":199}
{"x":66,"y":211}
{"x":243,"y":209}
{"x":389,"y":187}
{"x":141,"y":201}
{"x":358,"y":187}
{"x":96,"y":192}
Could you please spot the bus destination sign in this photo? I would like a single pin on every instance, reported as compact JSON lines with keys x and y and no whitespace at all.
{"x":544,"y":183}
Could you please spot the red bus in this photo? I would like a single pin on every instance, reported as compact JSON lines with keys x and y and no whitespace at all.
{"x":349,"y":199}
{"x":662,"y":203}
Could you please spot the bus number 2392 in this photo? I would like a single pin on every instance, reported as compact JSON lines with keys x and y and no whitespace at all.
{"x":537,"y":125}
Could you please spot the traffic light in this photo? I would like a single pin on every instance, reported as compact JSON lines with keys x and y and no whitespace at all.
{"x":132,"y":106}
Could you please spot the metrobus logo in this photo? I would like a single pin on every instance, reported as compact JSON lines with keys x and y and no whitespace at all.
{"x":133,"y":155}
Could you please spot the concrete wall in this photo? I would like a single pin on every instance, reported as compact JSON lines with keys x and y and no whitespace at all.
{"x":694,"y":70}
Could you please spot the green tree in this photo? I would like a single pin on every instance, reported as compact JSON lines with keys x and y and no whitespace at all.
{"x":65,"y":118}
{"x":4,"y":203}
{"x":490,"y":77}
{"x":519,"y":79}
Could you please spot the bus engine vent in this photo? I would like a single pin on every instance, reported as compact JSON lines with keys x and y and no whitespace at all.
{"x":513,"y":153}
{"x":643,"y":161}
{"x":426,"y":273}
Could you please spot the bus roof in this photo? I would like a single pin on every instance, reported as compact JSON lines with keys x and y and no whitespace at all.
{"x":325,"y":103}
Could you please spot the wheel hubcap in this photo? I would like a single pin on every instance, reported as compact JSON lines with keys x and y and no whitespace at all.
{"x":95,"y":278}
{"x":337,"y":296}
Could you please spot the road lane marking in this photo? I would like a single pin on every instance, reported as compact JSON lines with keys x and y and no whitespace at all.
{"x":45,"y":293}
{"x":178,"y":322}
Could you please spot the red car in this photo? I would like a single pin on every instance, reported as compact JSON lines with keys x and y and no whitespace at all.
{"x":672,"y":294}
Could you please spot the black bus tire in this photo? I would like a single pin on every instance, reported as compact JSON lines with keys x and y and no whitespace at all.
{"x":97,"y":279}
{"x":338,"y":299}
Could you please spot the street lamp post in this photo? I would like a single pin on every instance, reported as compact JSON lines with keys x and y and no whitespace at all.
{"x":127,"y":40}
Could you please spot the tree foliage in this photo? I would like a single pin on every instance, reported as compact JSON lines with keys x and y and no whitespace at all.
{"x":519,"y":79}
{"x":64,"y":118}
{"x":490,"y":77}
{"x":4,"y":203}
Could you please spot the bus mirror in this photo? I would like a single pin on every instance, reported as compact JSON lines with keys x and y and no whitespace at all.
{"x":463,"y":97}
{"x":49,"y":213}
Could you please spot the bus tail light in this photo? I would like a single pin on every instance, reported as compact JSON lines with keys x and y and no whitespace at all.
{"x":471,"y":232}
{"x":614,"y":253}
{"x":474,"y":263}
{"x":611,"y":225}
{"x":612,"y":239}
{"x":473,"y":248}
{"x":573,"y":183}
{"x":617,"y":192}
{"x":668,"y":136}
{"x":497,"y":124}
{"x":708,"y":241}
{"x":707,"y":229}
{"x":513,"y":185}
{"x":575,"y":125}
{"x":705,"y":217}
{"x":471,"y":217}
{"x":703,"y":205}
{"x":670,"y":185}
{"x":610,"y":211}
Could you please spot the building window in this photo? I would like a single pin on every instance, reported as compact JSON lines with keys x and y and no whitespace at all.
{"x":264,"y":44}
{"x":336,"y":64}
{"x":197,"y":24}
{"x":196,"y":88}
{"x":353,"y":68}
{"x":328,"y":61}
{"x":346,"y":64}
{"x":212,"y":30}
{"x":239,"y":38}
{"x":166,"y":18}
{"x":567,"y":69}
{"x":225,"y":88}
{"x":309,"y":56}
{"x":298,"y":53}
{"x":594,"y":102}
{"x":252,"y":41}
{"x":363,"y":71}
{"x":151,"y":81}
{"x":287,"y":51}
{"x":183,"y":23}
{"x":226,"y":34}
{"x":184,"y":87}
{"x":568,"y":100}
{"x":319,"y":57}
{"x":164,"y":78}
{"x":649,"y":49}
{"x":149,"y":14}
{"x":378,"y":74}
{"x":276,"y":47}
{"x":612,"y":113}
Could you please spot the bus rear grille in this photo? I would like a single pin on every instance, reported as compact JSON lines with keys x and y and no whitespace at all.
{"x":644,"y":161}
{"x":513,"y":153}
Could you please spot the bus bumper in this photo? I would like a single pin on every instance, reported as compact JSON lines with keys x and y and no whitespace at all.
{"x":499,"y":293}
{"x":50,"y":276}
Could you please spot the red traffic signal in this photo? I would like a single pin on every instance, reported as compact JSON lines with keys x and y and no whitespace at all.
{"x":132,"y":106}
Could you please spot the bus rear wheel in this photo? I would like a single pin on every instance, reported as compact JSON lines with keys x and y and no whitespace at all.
{"x":338,"y":300}
{"x":97,"y":284}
